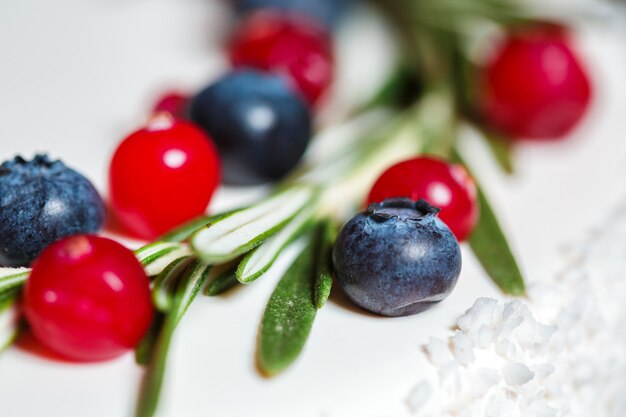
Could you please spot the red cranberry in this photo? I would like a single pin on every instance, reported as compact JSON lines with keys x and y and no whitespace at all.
{"x":444,"y":185}
{"x":173,"y":103}
{"x":161,"y":176}
{"x":295,"y":47}
{"x":534,"y":86}
{"x":88,"y":298}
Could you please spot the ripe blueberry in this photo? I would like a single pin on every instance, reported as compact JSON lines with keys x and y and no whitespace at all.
{"x":260,"y":126}
{"x":42,"y":201}
{"x":397,"y":258}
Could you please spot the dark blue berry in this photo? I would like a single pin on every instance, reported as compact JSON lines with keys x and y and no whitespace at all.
{"x":397,"y":258}
{"x":327,"y":12}
{"x":42,"y":201}
{"x":260,"y":126}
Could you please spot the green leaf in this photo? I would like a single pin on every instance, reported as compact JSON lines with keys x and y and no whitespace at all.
{"x":193,"y":281}
{"x":9,"y":324}
{"x":289,"y":315}
{"x":164,"y":284}
{"x":8,"y":296}
{"x":325,"y":235}
{"x":399,"y":90}
{"x":258,"y":261}
{"x":501,"y":148}
{"x":158,"y":255}
{"x":145,"y":348}
{"x":492,"y":250}
{"x":435,"y":121}
{"x":224,"y":282}
{"x":12,"y":278}
{"x":186,"y":291}
{"x":184,"y":232}
{"x":243,"y":230}
{"x":163,"y":291}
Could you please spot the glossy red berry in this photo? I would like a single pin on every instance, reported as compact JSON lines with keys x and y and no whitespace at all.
{"x":285,"y":44}
{"x":444,"y":185}
{"x":161,"y":176}
{"x":88,"y":298}
{"x":534,"y":86}
{"x":173,"y":103}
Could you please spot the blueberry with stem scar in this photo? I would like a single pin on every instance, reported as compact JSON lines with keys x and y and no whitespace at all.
{"x":397,"y":258}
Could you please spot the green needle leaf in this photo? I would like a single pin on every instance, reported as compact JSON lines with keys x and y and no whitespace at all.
{"x":491,"y":247}
{"x":12,"y":278}
{"x":224,"y":282}
{"x":289,"y":315}
{"x":191,"y":284}
{"x":145,"y":349}
{"x":7,"y":297}
{"x":9,"y":323}
{"x":165,"y":283}
{"x":156,"y":256}
{"x":492,"y":250}
{"x":184,"y":232}
{"x":325,"y":235}
{"x":501,"y":150}
{"x":241,"y":231}
{"x":258,"y":261}
{"x":163,"y":291}
{"x":153,"y":378}
{"x":186,"y":291}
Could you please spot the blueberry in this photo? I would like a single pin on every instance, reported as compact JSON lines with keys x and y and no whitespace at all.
{"x":327,"y":12}
{"x":260,"y":126}
{"x":397,"y":258}
{"x":42,"y":201}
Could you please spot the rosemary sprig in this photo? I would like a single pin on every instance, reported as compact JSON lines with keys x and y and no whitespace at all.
{"x":190,"y":282}
{"x":432,"y":33}
{"x":289,"y":314}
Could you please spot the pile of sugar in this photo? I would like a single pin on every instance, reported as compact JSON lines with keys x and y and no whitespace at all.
{"x":561,"y":352}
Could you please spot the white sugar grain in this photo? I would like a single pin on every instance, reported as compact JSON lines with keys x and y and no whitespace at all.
{"x":516,"y":373}
{"x":560,"y":352}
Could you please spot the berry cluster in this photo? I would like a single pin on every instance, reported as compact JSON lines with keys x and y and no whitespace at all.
{"x":89,"y":298}
{"x":258,"y":117}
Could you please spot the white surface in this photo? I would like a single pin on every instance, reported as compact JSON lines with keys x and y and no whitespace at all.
{"x":77,"y":75}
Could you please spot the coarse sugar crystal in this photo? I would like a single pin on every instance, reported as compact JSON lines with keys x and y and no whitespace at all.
{"x":560,"y":352}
